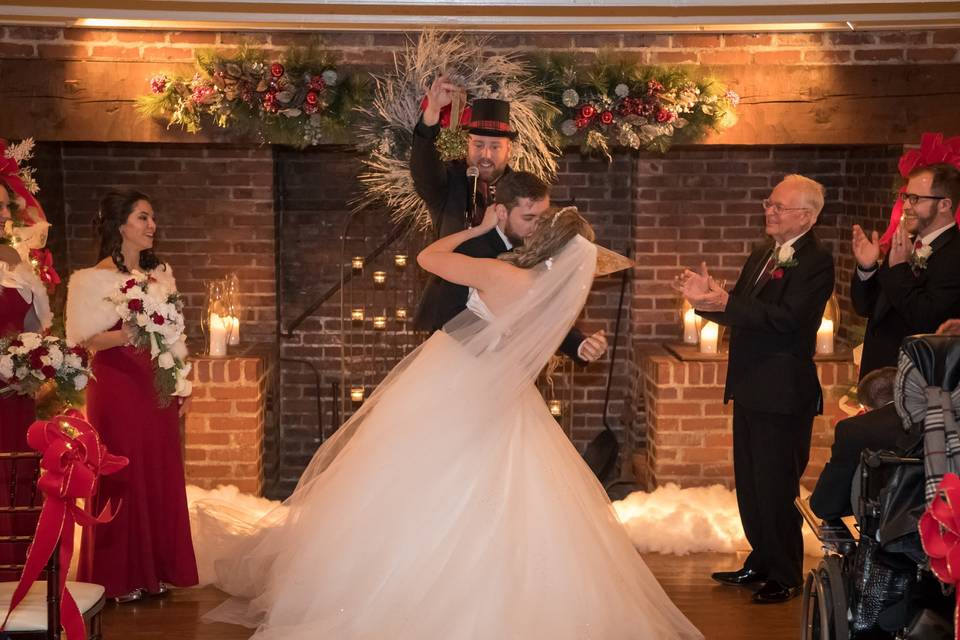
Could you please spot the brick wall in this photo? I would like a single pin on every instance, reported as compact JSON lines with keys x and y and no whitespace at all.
{"x":376,"y":49}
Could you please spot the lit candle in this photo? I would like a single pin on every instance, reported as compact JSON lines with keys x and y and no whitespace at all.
{"x":356,"y":394}
{"x":400,"y":260}
{"x":380,"y":323}
{"x":402,"y":314}
{"x":556,"y":410}
{"x":233,"y":323}
{"x":690,"y":326}
{"x":357,"y":316}
{"x":708,"y":338}
{"x":379,"y":278}
{"x":825,"y":336}
{"x":218,"y":335}
{"x":357,"y":264}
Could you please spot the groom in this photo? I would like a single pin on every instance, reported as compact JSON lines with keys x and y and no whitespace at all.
{"x":773,"y":313}
{"x":521,"y":199}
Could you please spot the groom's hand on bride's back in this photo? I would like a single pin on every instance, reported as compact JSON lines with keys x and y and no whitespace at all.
{"x":593,"y":347}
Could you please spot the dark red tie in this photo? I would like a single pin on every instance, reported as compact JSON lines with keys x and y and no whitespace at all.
{"x":767,"y":269}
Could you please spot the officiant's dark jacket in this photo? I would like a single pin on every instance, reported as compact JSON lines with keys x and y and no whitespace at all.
{"x":445,"y":189}
{"x":899,"y":302}
{"x":773,"y":331}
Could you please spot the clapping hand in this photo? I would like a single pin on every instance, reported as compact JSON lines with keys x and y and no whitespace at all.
{"x":900,"y":246}
{"x":701,"y":290}
{"x":865,"y":250}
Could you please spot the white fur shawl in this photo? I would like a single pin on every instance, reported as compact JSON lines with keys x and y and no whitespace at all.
{"x":88,"y":311}
{"x":32,"y":290}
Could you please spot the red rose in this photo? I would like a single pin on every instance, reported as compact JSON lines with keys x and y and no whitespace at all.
{"x":606,"y":117}
{"x":276,"y":69}
{"x":653,"y":86}
{"x":581,"y":122}
{"x":48,"y":372}
{"x":16,"y":343}
{"x":157,"y":318}
{"x":317,"y":83}
{"x":127,"y":285}
{"x":310,"y":108}
{"x":776,"y":274}
{"x":35,"y":355}
{"x":311,"y":98}
{"x":135,"y":305}
{"x":664,"y":116}
{"x":587,"y":111}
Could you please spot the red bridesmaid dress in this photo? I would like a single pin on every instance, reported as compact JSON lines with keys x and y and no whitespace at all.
{"x":149,"y":540}
{"x":17,"y":413}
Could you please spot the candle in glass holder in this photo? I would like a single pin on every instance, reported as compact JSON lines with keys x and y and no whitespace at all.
{"x":219,"y":333}
{"x":402,"y":314}
{"x":400,"y":260}
{"x":690,"y":327}
{"x":356,"y":394}
{"x":233,"y":326}
{"x":379,"y":278}
{"x":556,"y":409}
{"x":380,"y":323}
{"x":356,"y":316}
{"x":708,"y":337}
{"x":825,"y":336}
{"x":357,"y":265}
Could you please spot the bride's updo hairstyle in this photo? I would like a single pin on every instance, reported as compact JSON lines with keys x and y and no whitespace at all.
{"x":555,"y":229}
{"x":115,"y":208}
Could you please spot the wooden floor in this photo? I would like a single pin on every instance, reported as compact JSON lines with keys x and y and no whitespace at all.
{"x":722,"y":613}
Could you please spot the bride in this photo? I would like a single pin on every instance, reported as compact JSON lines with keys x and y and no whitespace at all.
{"x":451,"y":505}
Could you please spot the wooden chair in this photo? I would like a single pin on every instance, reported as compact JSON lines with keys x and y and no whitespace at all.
{"x":38,"y":615}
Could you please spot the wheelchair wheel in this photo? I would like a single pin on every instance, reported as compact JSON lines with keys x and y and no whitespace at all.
{"x":824,"y":607}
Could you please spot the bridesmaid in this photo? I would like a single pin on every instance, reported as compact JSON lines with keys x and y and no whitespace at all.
{"x":23,"y":307}
{"x":147,"y":548}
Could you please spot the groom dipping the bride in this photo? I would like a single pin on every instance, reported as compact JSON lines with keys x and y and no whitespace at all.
{"x":521,"y":198}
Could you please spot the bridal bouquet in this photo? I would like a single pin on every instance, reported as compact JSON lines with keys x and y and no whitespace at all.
{"x":29,"y":361}
{"x":154,"y":319}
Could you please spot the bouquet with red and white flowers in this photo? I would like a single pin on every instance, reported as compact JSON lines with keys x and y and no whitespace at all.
{"x":28,"y":361}
{"x":153,"y":315}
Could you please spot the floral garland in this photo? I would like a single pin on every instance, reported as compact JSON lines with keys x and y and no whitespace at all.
{"x":615,"y":102}
{"x":386,"y":130}
{"x":30,"y":361}
{"x":300,"y":99}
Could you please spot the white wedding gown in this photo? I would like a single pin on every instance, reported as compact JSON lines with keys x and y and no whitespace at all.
{"x":454,"y":507}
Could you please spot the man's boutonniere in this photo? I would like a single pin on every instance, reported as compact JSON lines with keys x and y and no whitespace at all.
{"x":784,"y":260}
{"x":919,"y":257}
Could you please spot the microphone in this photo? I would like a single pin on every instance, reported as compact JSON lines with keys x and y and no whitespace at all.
{"x":473,"y":173}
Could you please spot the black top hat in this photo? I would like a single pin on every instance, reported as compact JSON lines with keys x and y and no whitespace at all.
{"x":491,"y":117}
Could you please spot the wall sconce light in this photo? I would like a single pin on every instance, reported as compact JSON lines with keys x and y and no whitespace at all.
{"x":357,"y":265}
{"x":379,"y":279}
{"x":402,"y":314}
{"x":380,"y":323}
{"x":356,"y":394}
{"x":556,"y":409}
{"x":356,"y":316}
{"x":400,"y":260}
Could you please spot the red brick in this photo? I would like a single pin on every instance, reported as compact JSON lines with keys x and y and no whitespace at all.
{"x":124,"y":35}
{"x":58,"y":51}
{"x":940,"y":54}
{"x":194,"y":470}
{"x":790,"y":56}
{"x":33,"y":33}
{"x":706,"y":454}
{"x":720,"y":56}
{"x":8,"y":50}
{"x":193,"y":37}
{"x":673,"y":57}
{"x":946,"y":36}
{"x":695,"y":40}
{"x":793,"y":39}
{"x":87,"y":35}
{"x":116,"y":53}
{"x":878,"y":54}
{"x":827,"y":55}
{"x":167,"y":53}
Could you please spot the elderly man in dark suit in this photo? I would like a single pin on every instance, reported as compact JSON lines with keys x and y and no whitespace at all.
{"x":773,"y":313}
{"x":917,"y":286}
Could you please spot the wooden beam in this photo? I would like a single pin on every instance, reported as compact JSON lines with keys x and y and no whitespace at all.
{"x":853,"y":104}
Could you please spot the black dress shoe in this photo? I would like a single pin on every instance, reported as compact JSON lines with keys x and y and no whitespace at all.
{"x":773,"y":592}
{"x":736,"y":578}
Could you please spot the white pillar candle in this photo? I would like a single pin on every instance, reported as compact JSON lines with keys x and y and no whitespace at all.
{"x":218,"y":335}
{"x":708,"y":338}
{"x":825,"y":336}
{"x":690,"y":326}
{"x":234,"y":327}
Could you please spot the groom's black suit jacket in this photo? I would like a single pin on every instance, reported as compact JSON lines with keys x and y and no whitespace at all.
{"x":898,"y":302}
{"x":442,"y":300}
{"x":773,"y":331}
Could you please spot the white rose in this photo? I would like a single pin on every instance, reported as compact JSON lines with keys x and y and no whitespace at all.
{"x":73,"y":361}
{"x":80,"y":382}
{"x":165,"y":360}
{"x":30,"y":340}
{"x":785,"y":254}
{"x":22,"y":373}
{"x":924,"y":252}
{"x":6,"y":367}
{"x":179,"y":348}
{"x":184,"y":387}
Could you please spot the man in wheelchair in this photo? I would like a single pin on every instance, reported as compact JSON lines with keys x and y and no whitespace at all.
{"x":874,"y":580}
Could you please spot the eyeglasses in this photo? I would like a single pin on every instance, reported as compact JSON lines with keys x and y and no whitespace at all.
{"x":913,"y":198}
{"x":779,"y":208}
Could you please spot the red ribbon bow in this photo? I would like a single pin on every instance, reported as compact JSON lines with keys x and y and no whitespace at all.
{"x":10,"y":174}
{"x":445,"y":114}
{"x":73,"y":459}
{"x":48,"y":275}
{"x":933,"y":150}
{"x":940,"y":536}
